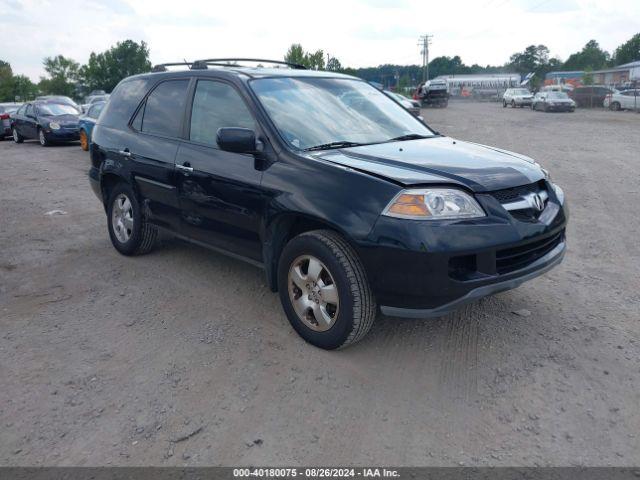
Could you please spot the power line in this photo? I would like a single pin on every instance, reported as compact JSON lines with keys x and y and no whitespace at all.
{"x":424,"y":42}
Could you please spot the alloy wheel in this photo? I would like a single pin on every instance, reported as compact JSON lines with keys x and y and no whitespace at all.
{"x":313,"y":293}
{"x":122,"y":218}
{"x":16,"y":138}
{"x":42,"y":138}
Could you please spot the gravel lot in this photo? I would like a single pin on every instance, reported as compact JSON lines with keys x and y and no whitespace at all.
{"x":183,"y":356}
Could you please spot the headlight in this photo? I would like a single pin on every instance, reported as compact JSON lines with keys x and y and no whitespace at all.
{"x":433,"y":204}
{"x":559,"y":193}
{"x":54,"y":126}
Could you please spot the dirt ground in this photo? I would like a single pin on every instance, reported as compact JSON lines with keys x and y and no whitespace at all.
{"x":183,"y":356}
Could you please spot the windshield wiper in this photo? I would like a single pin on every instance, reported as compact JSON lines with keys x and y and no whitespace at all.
{"x":331,"y":145}
{"x":409,"y":136}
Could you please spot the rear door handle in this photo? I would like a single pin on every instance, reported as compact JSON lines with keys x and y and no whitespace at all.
{"x":184,"y":168}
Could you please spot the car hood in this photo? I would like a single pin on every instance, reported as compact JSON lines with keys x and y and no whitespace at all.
{"x":62,"y":119}
{"x":440,"y":160}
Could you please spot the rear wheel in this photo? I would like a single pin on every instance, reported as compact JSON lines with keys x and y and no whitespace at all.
{"x":324,"y":290}
{"x":84,"y":141}
{"x":504,"y":104}
{"x":16,"y":136}
{"x":129,"y":230}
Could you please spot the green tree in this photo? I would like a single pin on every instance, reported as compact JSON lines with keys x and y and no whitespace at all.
{"x":63,"y":76}
{"x":628,"y":51}
{"x":334,"y":65}
{"x":104,"y":70}
{"x":590,"y":57}
{"x":297,"y":55}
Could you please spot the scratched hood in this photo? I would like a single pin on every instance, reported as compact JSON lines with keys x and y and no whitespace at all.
{"x":440,"y":160}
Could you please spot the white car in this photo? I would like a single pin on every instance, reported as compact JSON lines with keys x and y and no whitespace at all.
{"x":625,"y":100}
{"x":517,"y":97}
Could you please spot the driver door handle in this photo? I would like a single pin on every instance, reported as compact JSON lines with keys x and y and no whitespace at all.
{"x":125,"y":152}
{"x":184,"y":168}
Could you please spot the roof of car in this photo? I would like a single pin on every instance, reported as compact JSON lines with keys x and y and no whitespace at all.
{"x":250,"y":72}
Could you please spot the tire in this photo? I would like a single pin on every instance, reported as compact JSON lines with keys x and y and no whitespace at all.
{"x":615,"y":106}
{"x":16,"y":136}
{"x":84,"y":141}
{"x":129,"y":230}
{"x":42,"y":138}
{"x":504,"y":104}
{"x":355,"y":308}
{"x":513,"y":104}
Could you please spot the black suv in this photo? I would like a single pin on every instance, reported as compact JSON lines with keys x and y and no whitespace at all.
{"x":347,"y":201}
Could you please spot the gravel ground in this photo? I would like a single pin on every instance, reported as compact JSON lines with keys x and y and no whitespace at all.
{"x":183,"y":356}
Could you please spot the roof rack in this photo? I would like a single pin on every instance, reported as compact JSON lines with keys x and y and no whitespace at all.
{"x":222,"y":62}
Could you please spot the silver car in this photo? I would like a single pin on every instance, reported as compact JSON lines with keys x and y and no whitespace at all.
{"x":517,"y":97}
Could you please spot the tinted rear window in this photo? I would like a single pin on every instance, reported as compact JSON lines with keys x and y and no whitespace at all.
{"x":123,"y":102}
{"x":165,"y":107}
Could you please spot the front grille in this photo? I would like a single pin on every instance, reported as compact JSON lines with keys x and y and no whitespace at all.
{"x":514,"y":258}
{"x":510,"y":194}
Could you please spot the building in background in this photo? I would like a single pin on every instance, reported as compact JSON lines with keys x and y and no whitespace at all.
{"x":481,"y":85}
{"x":620,"y":75}
{"x":573,"y":78}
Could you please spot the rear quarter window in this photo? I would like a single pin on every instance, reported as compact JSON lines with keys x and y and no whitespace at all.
{"x":123,"y":102}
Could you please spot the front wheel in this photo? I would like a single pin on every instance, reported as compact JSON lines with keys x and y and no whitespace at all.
{"x":504,"y":104}
{"x":513,"y":104}
{"x":84,"y":141}
{"x":43,"y":139}
{"x":324,"y":290}
{"x":615,"y":106}
{"x":129,"y":230}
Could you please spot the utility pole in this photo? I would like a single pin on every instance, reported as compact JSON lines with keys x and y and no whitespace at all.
{"x":424,"y":42}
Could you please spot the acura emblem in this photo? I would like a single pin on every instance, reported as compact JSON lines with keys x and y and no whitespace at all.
{"x":536,"y":202}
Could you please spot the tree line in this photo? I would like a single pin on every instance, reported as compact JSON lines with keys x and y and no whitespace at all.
{"x":103,"y":71}
{"x":67,"y":77}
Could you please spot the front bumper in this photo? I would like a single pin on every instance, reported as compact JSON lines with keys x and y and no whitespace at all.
{"x":537,"y":268}
{"x":523,"y":101}
{"x":560,"y":108}
{"x":62,"y":135}
{"x":423,"y":269}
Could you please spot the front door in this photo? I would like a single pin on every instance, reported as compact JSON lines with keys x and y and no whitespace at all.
{"x":220,"y":196}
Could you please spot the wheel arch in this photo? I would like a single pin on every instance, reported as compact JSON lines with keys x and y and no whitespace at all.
{"x":283,"y":228}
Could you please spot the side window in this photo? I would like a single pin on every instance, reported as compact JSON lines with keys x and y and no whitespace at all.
{"x":97,"y":109}
{"x":29,"y":110}
{"x":164,"y":108}
{"x":217,"y":105}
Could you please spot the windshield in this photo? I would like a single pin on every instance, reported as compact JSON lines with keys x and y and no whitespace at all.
{"x":54,"y":109}
{"x":557,"y":95}
{"x":521,"y":91}
{"x":312,"y":112}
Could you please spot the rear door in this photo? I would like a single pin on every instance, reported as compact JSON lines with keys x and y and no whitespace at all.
{"x":28,"y":122}
{"x":151,"y":149}
{"x":219,"y":191}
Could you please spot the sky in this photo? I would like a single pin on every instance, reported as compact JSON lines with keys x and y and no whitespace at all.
{"x":359,"y":33}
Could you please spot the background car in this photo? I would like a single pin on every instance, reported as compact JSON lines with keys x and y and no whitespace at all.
{"x":6,"y":109}
{"x":553,"y":102}
{"x":590,"y":96}
{"x":93,"y":99}
{"x":412,"y":105}
{"x":86,"y":123}
{"x":47,"y":121}
{"x":517,"y":97}
{"x":94,"y":93}
{"x":625,"y":100}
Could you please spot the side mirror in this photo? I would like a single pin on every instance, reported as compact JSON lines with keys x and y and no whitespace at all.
{"x":238,"y":140}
